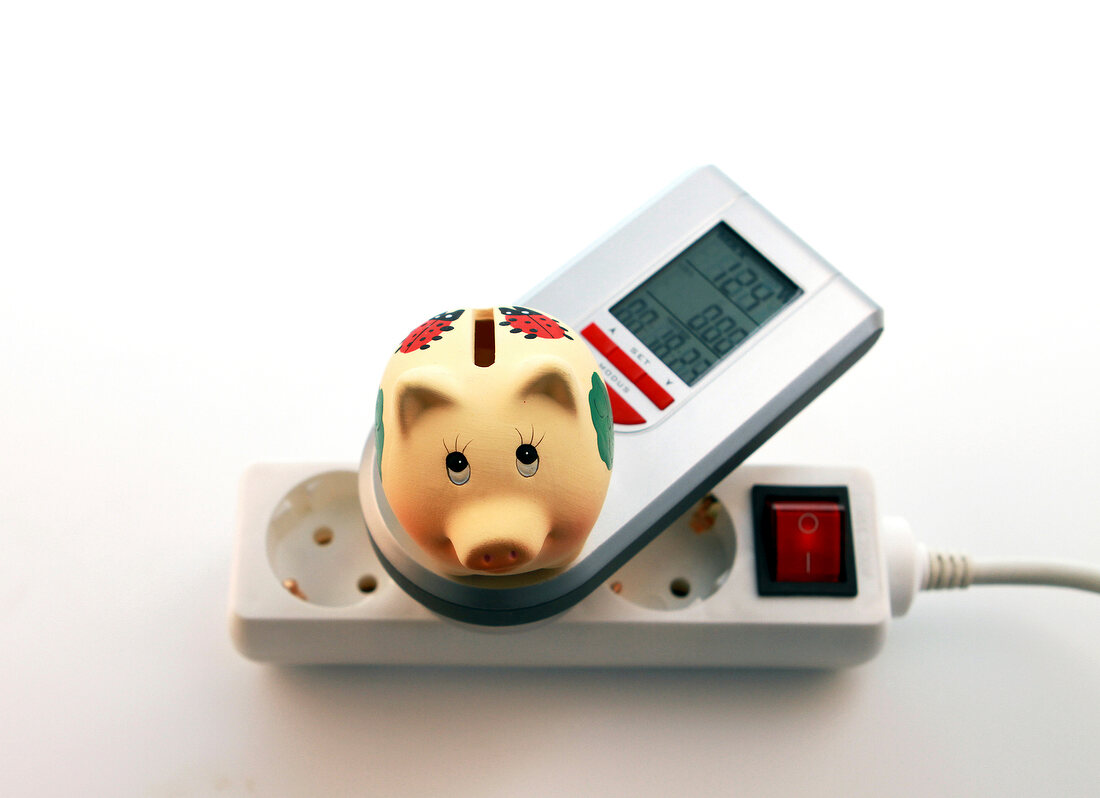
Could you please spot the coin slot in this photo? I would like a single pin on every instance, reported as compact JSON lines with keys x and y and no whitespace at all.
{"x":485,"y":351}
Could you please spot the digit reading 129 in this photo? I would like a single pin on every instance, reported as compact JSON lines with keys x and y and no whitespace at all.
{"x":705,"y":302}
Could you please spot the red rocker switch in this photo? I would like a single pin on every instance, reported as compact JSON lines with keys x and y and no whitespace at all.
{"x":807,"y":540}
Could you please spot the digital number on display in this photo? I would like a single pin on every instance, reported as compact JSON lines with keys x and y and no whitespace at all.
{"x":705,"y":302}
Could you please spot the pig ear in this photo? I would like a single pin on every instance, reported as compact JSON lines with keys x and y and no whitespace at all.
{"x":549,"y":378}
{"x":418,"y":393}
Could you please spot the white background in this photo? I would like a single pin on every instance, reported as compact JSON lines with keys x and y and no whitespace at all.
{"x":218,"y":219}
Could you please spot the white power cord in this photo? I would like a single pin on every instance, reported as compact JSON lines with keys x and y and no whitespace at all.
{"x":911,"y":568}
{"x":945,"y":570}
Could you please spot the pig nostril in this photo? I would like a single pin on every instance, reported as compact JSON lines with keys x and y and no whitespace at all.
{"x":512,"y":554}
{"x":487,"y":558}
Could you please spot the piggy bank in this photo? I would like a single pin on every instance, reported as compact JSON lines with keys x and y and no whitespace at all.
{"x":494,"y":440}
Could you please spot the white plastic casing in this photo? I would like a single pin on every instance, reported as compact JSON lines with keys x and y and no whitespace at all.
{"x":721,"y":621}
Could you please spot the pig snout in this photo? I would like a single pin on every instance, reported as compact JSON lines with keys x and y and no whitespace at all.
{"x":496,"y":536}
{"x":498,"y":556}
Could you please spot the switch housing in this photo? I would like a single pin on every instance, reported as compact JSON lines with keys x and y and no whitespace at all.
{"x":764,"y":531}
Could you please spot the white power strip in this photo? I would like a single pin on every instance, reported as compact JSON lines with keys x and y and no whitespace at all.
{"x":308,"y":588}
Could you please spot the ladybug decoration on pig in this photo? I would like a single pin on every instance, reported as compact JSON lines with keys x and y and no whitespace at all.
{"x":494,"y":440}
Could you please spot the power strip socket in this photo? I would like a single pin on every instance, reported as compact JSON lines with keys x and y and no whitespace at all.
{"x":308,"y":589}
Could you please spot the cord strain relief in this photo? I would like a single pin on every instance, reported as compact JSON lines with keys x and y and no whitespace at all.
{"x":947,"y":570}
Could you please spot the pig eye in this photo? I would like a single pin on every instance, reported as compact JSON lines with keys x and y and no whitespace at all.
{"x":527,"y":460}
{"x":458,"y":468}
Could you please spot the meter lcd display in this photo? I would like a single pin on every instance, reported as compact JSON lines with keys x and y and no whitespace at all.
{"x":705,"y":302}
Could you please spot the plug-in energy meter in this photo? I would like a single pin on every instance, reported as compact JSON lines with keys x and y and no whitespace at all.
{"x":712,"y":325}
